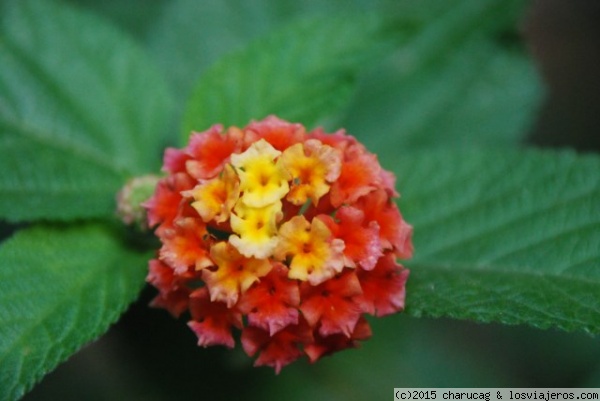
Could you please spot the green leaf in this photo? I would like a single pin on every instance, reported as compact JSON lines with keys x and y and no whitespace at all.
{"x":192,"y":35}
{"x":59,"y":289}
{"x":137,"y":17}
{"x":80,"y":111}
{"x":303,"y":72}
{"x":464,"y":79}
{"x":510,"y":237}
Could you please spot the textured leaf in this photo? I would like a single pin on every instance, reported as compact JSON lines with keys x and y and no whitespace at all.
{"x":303,"y":72}
{"x":80,"y":110}
{"x":511,"y":237}
{"x":192,"y":35}
{"x":463,"y":79}
{"x":59,"y":289}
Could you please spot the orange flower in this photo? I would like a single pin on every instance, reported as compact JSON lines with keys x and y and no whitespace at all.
{"x":210,"y":151}
{"x":289,"y":236}
{"x":212,"y":321}
{"x":163,"y":206}
{"x":312,"y":166}
{"x":279,"y":133}
{"x":361,"y":174}
{"x":234,"y":275}
{"x":315,"y":256}
{"x":185,"y":245}
{"x":272,"y":304}
{"x":263,"y":180}
{"x":173,"y":291}
{"x":383,"y":288}
{"x":360,"y":236}
{"x":214,"y":199}
{"x":325,"y":345}
{"x":279,"y":349}
{"x":255,"y":229}
{"x":394,"y":232}
{"x":333,"y":304}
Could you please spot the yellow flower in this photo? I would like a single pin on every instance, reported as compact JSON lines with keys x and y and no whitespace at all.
{"x":215,"y":198}
{"x":234,"y":275}
{"x":256,"y":229}
{"x":263,"y":180}
{"x":316,"y":257}
{"x":312,"y":166}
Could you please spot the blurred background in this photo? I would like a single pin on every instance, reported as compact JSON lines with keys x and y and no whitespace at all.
{"x":148,"y":355}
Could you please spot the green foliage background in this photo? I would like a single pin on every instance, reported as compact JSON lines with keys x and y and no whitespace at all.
{"x":445,"y":92}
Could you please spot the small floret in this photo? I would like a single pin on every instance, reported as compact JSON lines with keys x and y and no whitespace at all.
{"x":263,"y":180}
{"x":313,"y":167}
{"x":234,"y":275}
{"x":315,"y":255}
{"x":255,"y":229}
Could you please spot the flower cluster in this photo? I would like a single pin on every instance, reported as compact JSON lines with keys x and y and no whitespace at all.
{"x":287,"y":235}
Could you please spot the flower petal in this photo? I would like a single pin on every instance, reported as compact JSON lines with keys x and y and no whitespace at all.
{"x":330,"y":306}
{"x":312,"y":167}
{"x":278,"y":350}
{"x":361,"y":174}
{"x":279,"y":133}
{"x":394,"y":232}
{"x":272,"y":304}
{"x":263,"y":180}
{"x":212,"y":321}
{"x":210,"y":150}
{"x":214,"y":199}
{"x":361,"y":238}
{"x":173,"y":292}
{"x":185,"y":245}
{"x":164,"y":205}
{"x":326,"y":345}
{"x":316,"y":256}
{"x":234,"y":275}
{"x":384,"y":287}
{"x":256,"y":229}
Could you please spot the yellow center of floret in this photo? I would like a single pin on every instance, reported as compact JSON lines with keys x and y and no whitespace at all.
{"x":314,"y":255}
{"x":263,"y":179}
{"x":312,"y":166}
{"x":234,"y":275}
{"x":215,"y":198}
{"x":256,"y":229}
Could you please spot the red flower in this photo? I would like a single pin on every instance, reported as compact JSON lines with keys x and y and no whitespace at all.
{"x":383,"y":287}
{"x":163,"y":206}
{"x":277,"y":350}
{"x":361,"y":174}
{"x":394,"y":232}
{"x":279,"y":133}
{"x":173,"y":291}
{"x":212,"y":321}
{"x":360,"y":236}
{"x":287,"y":235}
{"x":210,"y":151}
{"x":185,"y":245}
{"x":330,"y":307}
{"x":174,"y":160}
{"x":325,"y":345}
{"x":272,"y":303}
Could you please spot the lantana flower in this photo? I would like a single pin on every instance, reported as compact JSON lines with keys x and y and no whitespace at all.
{"x":289,"y":236}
